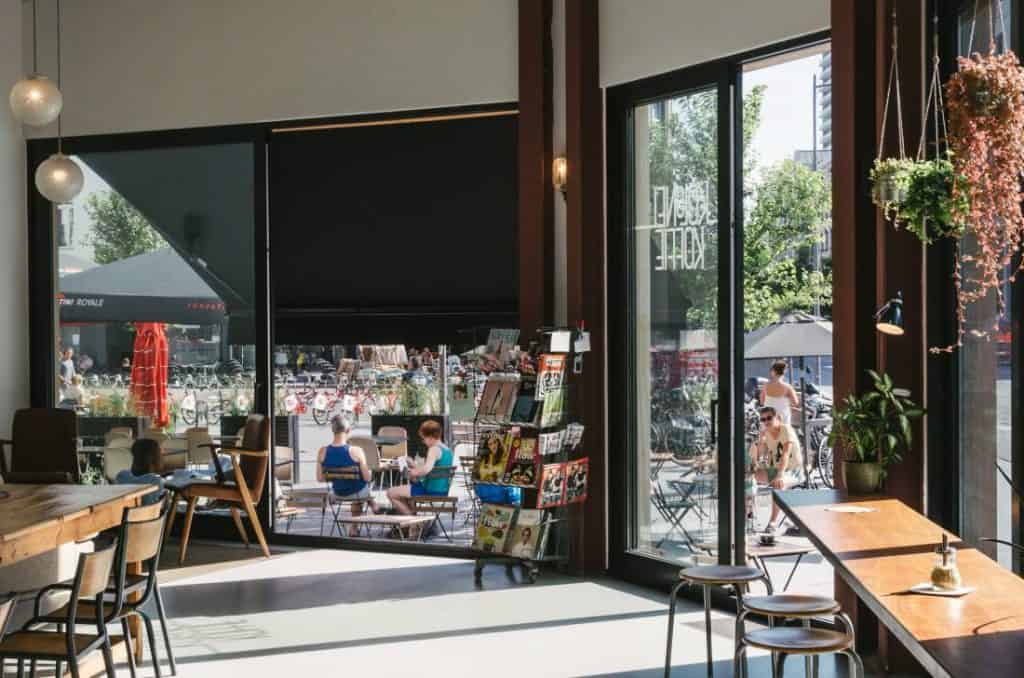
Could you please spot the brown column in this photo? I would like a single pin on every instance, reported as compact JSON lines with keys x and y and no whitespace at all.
{"x":585,"y":262}
{"x":536,"y":201}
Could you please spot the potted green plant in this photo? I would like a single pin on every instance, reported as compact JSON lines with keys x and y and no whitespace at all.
{"x":874,"y":430}
{"x":889,"y":181}
{"x":935,"y":200}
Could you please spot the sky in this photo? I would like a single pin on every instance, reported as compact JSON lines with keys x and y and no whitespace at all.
{"x":787,"y":115}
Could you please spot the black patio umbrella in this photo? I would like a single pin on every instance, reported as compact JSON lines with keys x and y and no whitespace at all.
{"x":158,"y":286}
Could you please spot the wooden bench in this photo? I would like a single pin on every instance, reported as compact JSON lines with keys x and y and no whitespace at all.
{"x":363,"y":524}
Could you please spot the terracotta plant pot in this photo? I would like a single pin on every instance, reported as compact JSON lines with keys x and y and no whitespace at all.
{"x":862,"y":477}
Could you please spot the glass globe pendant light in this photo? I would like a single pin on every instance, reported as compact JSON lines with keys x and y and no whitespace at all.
{"x":59,"y":178}
{"x":35,"y":100}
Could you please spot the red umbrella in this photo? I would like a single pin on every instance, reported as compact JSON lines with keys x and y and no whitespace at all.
{"x":149,"y":372}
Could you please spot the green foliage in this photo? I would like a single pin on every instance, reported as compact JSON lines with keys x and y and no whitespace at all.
{"x":119,"y":230}
{"x":415,"y":399}
{"x":875,"y":427}
{"x":790,"y":214}
{"x":931,"y":207}
{"x":890,"y":179}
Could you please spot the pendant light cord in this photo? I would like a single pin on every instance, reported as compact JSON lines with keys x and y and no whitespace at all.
{"x":35,"y":41}
{"x":59,"y":116}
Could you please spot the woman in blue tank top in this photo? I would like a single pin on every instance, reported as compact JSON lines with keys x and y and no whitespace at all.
{"x":339,"y":455}
{"x":438,"y":456}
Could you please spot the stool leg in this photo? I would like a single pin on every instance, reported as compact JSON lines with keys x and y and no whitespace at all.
{"x":779,"y":665}
{"x":739,"y":663}
{"x":671,"y":626}
{"x":810,"y":669}
{"x":707,"y":629}
{"x":856,"y":665}
{"x":740,"y":630}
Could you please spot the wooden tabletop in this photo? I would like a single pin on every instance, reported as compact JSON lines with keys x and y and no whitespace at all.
{"x":39,"y":518}
{"x":882,"y":553}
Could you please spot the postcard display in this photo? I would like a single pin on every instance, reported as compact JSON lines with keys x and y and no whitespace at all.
{"x":529,"y":461}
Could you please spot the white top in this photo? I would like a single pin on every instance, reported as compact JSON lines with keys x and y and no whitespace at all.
{"x":782,"y":407}
{"x":776,"y":444}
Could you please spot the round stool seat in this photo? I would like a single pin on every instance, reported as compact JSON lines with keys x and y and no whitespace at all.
{"x":791,"y":605}
{"x":721,"y":574}
{"x":798,"y":640}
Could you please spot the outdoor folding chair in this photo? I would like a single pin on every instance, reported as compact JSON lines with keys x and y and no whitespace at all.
{"x":438,"y":504}
{"x":335,"y":502}
{"x":674,"y":507}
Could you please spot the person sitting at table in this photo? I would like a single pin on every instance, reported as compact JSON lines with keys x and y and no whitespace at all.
{"x":778,"y":394}
{"x":145,"y":469}
{"x":340,"y":455}
{"x":777,"y":457}
{"x":438,"y":454}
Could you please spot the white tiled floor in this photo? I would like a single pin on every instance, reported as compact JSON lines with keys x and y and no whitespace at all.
{"x":349,"y":613}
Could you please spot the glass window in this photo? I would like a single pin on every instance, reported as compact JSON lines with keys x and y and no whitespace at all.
{"x":985,"y":363}
{"x":675,"y":335}
{"x":155,"y":297}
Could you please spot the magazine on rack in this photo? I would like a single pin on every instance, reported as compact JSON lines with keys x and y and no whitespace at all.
{"x":501,"y":344}
{"x":552,"y":486}
{"x":553,"y":403}
{"x":551,"y":374}
{"x":573,"y":436}
{"x":576,"y":476}
{"x":493,"y":527}
{"x":524,"y":540}
{"x":523,"y":461}
{"x":493,"y":457}
{"x":551,"y":443}
{"x":499,"y":397}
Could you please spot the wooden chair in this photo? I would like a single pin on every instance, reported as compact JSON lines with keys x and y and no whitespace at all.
{"x":118,"y":432}
{"x":373,"y":459}
{"x":66,"y":645}
{"x":250,"y":461}
{"x":117,"y":456}
{"x":196,"y":451}
{"x":44,"y":447}
{"x":437,"y":504}
{"x":139,"y":540}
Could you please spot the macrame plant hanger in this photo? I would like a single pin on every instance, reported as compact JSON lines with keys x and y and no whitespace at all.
{"x":893,"y":86}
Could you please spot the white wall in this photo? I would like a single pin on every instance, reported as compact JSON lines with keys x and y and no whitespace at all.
{"x":13,"y":234}
{"x":133,"y":65}
{"x":640,"y":38}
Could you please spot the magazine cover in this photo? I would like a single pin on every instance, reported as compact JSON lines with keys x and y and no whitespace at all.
{"x":552,"y":486}
{"x":551,"y":443}
{"x":501,"y":344}
{"x":522,"y":470}
{"x":576,"y":475}
{"x":499,"y":397}
{"x":550,"y":374}
{"x":506,"y":399}
{"x":526,"y":409}
{"x":573,"y":436}
{"x":493,"y":458}
{"x":553,"y":403}
{"x":493,"y":527}
{"x":524,"y":538}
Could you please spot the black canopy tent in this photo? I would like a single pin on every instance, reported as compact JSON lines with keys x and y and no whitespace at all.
{"x":158,"y":286}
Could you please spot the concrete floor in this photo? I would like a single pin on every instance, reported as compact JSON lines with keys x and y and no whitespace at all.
{"x":316,"y":611}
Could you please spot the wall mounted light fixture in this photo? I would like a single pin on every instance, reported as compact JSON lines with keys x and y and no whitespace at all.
{"x":889,"y":318}
{"x":560,"y":173}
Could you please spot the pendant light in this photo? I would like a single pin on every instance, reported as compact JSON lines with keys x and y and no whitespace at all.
{"x":59,"y":178}
{"x":35,"y":100}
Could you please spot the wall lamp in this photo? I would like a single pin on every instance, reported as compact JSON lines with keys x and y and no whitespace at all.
{"x":889,"y":318}
{"x":560,"y":174}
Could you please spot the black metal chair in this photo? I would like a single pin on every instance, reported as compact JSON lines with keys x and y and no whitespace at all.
{"x":66,"y":644}
{"x":438,"y":504}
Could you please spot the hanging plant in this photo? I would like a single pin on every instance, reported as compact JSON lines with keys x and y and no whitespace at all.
{"x":890,"y":180}
{"x":986,"y":136}
{"x":932,"y":207}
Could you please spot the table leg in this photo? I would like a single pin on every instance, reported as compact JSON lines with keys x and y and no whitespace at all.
{"x":799,"y":557}
{"x":707,"y":629}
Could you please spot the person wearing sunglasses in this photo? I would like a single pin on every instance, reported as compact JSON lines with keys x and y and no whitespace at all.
{"x":777,"y":453}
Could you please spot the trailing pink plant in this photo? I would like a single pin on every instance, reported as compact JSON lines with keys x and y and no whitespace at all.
{"x":985,"y":100}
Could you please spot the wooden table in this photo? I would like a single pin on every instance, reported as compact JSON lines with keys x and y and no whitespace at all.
{"x":35,"y":519}
{"x":882,"y":553}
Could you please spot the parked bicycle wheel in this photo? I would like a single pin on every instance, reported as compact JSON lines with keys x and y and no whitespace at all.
{"x":825,"y":463}
{"x":321,"y":408}
{"x":187,"y":410}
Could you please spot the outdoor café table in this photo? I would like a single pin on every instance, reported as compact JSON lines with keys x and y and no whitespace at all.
{"x":35,"y":519}
{"x":759,"y":553}
{"x":883,"y":548}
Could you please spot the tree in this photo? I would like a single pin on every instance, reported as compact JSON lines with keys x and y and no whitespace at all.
{"x":119,"y":230}
{"x":790,"y":214}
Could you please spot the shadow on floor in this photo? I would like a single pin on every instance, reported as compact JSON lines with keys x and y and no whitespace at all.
{"x":759,"y":667}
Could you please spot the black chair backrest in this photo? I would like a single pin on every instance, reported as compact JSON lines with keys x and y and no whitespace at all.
{"x":45,"y":442}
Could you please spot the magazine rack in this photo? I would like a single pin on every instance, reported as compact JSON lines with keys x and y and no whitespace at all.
{"x":556,"y":541}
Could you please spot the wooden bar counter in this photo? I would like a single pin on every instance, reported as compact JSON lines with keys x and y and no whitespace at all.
{"x":883,"y":552}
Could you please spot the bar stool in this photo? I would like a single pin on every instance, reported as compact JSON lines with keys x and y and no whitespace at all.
{"x":739,"y":577}
{"x":782,"y":641}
